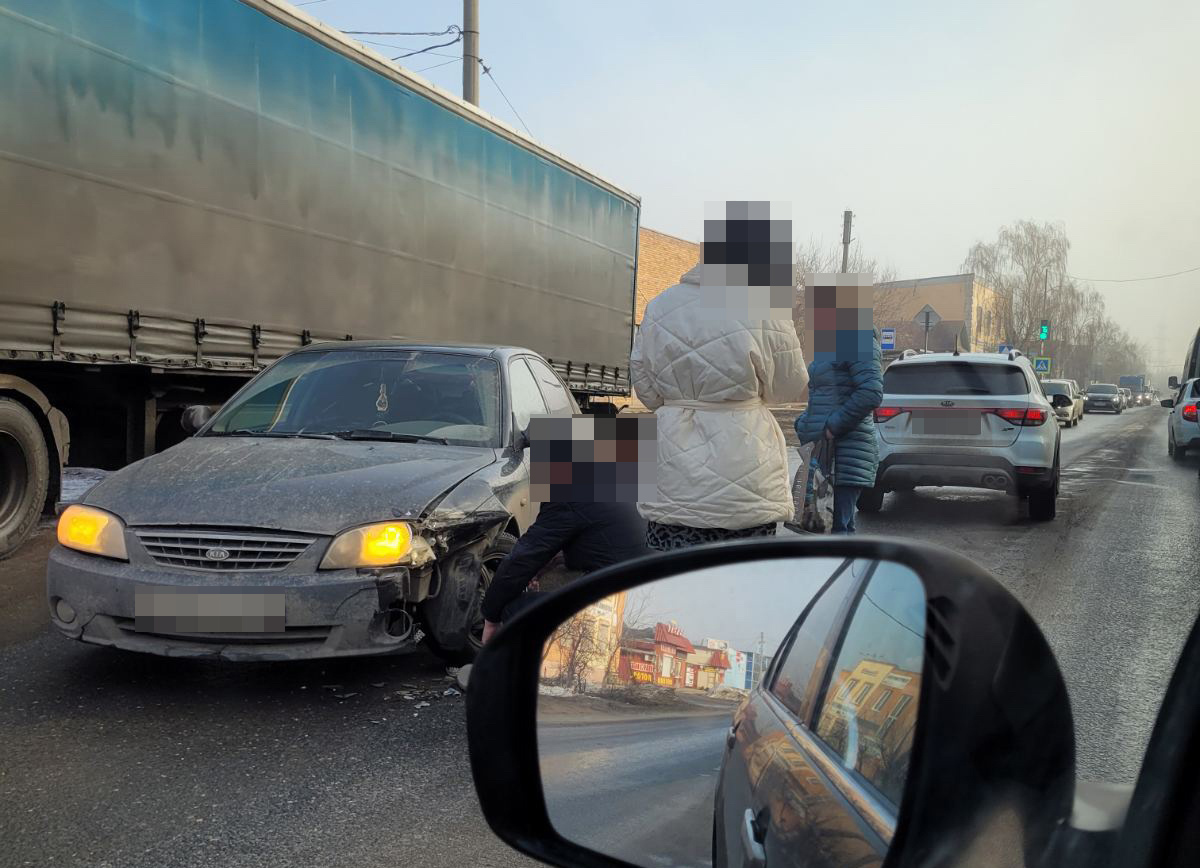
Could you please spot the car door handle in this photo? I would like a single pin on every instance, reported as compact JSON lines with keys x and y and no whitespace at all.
{"x":753,"y":853}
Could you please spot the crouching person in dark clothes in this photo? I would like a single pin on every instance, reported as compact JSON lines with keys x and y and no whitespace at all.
{"x":587,"y":472}
{"x":566,"y":541}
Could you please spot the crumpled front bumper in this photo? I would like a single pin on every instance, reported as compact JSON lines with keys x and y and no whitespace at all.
{"x":333,"y":613}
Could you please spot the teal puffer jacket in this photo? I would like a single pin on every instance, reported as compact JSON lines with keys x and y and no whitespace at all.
{"x":841,"y":397}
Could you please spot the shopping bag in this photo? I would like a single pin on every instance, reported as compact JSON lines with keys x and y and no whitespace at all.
{"x":816,"y":509}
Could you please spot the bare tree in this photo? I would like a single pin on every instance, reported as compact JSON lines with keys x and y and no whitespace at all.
{"x":579,"y":648}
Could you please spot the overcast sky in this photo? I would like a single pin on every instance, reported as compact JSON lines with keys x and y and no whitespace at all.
{"x":935,"y":122}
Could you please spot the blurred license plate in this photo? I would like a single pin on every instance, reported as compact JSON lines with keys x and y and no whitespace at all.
{"x":962,"y":423}
{"x":170,"y":610}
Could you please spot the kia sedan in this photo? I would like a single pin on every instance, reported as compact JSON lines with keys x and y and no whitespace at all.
{"x":353,"y":498}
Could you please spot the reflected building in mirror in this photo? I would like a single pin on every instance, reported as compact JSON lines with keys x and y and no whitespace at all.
{"x":583,"y":653}
{"x":880,"y":700}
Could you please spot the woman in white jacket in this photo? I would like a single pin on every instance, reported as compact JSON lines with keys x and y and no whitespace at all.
{"x":722,"y":459}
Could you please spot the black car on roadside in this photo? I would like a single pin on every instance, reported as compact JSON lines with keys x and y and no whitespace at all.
{"x":353,"y":498}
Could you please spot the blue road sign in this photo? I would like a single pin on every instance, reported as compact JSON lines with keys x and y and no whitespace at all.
{"x":1004,"y":348}
{"x":1041,"y":364}
{"x":887,"y":340}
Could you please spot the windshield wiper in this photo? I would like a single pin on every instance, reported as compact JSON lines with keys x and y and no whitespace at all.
{"x":251,"y":432}
{"x":377,"y":434}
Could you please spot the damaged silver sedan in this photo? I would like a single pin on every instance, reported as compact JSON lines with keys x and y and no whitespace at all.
{"x":354,"y":498}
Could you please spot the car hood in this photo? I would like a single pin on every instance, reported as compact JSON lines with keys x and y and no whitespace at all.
{"x":311,"y":486}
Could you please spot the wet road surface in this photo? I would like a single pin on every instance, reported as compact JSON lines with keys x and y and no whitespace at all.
{"x":641,"y":790}
{"x":109,"y":758}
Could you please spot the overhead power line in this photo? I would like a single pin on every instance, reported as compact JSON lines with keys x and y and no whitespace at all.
{"x":453,"y":28}
{"x":487,"y":70}
{"x":1134,"y":279}
{"x":430,"y":48}
{"x":436,"y":65}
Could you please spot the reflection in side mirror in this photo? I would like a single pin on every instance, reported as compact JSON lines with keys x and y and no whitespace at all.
{"x":669,"y":713}
{"x":195,"y":417}
{"x":1167,"y":402}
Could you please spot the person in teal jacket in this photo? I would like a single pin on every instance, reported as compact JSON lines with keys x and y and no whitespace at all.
{"x":842,"y":398}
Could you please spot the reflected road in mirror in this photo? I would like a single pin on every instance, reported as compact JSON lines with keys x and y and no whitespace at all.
{"x":638,"y":693}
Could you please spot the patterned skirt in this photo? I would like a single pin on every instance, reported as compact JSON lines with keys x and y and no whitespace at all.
{"x":665,"y":537}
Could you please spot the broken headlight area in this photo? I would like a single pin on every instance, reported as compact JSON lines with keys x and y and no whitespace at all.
{"x":382,"y":544}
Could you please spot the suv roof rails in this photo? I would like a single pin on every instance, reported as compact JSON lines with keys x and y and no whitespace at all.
{"x":1012,"y":355}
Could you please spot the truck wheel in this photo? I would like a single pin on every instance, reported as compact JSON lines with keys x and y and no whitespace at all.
{"x":871,"y":499}
{"x":24,"y":474}
{"x":496,"y":552}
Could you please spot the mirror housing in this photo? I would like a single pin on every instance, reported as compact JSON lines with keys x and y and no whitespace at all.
{"x":196,"y":417}
{"x":1167,"y":402}
{"x":520,"y":439}
{"x":1061,"y":401}
{"x":994,"y":736}
{"x":1173,"y":382}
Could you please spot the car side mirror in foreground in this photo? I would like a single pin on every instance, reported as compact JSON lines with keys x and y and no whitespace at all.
{"x":1167,"y":402}
{"x":1061,"y":401}
{"x":1172,"y":382}
{"x":757,"y":702}
{"x":195,"y":417}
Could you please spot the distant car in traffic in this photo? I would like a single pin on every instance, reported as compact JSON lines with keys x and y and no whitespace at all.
{"x":1103,"y":396}
{"x":351,"y":499}
{"x":967,"y":419}
{"x":1183,"y":425}
{"x":1067,"y":413}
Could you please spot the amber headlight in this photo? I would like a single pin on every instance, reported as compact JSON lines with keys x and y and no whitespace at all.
{"x":376,"y":545}
{"x":91,"y":530}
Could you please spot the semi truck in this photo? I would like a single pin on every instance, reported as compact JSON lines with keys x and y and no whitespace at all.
{"x":1137,"y":386}
{"x":189,"y":190}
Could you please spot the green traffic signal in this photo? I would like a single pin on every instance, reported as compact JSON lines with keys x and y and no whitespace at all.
{"x":1044,"y":334}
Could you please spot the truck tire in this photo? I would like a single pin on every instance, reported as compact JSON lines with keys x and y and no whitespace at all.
{"x":496,"y":552}
{"x":24,"y":474}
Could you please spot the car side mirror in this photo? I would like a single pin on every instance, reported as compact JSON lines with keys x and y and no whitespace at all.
{"x":1172,"y":382}
{"x":1167,"y":402}
{"x":520,"y":436}
{"x":892,"y":698}
{"x":196,"y":417}
{"x":1061,"y":400}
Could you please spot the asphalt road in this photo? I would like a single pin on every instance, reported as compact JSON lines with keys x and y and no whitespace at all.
{"x":641,"y":790}
{"x":109,"y":758}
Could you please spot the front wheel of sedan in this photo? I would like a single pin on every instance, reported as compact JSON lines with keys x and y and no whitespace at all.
{"x":495,"y":553}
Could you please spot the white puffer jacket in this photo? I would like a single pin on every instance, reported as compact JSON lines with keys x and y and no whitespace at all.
{"x":722,"y":459}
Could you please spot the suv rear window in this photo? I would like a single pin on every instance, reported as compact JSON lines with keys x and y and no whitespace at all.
{"x":954,"y":378}
{"x":1102,"y":389}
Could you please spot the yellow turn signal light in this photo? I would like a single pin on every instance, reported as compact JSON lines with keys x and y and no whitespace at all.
{"x":91,"y":530}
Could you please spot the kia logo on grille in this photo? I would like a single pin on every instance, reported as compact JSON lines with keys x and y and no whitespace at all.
{"x":947,"y":403}
{"x":216,"y":554}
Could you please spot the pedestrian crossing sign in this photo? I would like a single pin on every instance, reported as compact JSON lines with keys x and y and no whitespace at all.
{"x":1041,"y":364}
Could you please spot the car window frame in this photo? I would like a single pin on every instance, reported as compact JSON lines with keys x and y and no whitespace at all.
{"x":512,"y":410}
{"x":785,"y":647}
{"x":572,"y":404}
{"x":854,"y":774}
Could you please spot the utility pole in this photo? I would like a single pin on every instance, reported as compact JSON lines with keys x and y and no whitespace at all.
{"x":847,"y":218}
{"x":471,"y":51}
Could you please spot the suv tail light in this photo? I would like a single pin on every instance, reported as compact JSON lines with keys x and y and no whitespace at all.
{"x":1028,"y":417}
{"x":1189,"y":412}
{"x":882,"y":414}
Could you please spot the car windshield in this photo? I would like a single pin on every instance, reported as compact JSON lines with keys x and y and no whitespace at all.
{"x":954,"y":378}
{"x":1102,"y":389}
{"x":401,"y":394}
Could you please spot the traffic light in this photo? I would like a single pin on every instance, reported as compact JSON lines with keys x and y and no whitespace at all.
{"x":1044,"y":334}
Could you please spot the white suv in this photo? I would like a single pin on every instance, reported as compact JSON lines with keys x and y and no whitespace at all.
{"x":978,"y":420}
{"x":1183,"y":425}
